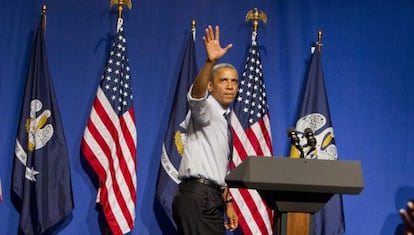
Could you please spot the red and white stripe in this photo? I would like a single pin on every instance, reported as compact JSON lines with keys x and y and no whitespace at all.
{"x":109,"y":144}
{"x":254,"y":215}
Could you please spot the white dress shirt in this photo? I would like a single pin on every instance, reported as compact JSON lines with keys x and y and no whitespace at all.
{"x":206,"y":147}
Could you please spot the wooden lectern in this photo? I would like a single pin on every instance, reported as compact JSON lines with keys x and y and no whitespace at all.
{"x":296,"y":184}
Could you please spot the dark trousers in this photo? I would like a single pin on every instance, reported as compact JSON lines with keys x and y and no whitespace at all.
{"x":198,"y":209}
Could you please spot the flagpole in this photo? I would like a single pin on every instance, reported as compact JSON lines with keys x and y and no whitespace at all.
{"x":193,"y":29}
{"x":44,"y":17}
{"x":319,"y":42}
{"x":120,"y":5}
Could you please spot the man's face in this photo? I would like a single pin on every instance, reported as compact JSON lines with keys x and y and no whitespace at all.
{"x":223,"y":86}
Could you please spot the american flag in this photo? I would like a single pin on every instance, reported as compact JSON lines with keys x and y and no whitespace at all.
{"x":252,"y":136}
{"x":109,"y":141}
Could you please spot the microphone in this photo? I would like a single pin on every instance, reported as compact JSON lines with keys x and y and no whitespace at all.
{"x":294,"y":139}
{"x":311,"y":140}
{"x":310,"y":137}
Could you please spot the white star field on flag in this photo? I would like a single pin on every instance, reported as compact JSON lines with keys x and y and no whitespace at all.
{"x":252,"y":95}
{"x":114,"y":86}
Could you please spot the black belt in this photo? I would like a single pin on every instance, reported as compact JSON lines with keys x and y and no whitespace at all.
{"x":208,"y":182}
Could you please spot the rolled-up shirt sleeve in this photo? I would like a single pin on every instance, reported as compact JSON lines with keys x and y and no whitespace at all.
{"x":198,"y":108}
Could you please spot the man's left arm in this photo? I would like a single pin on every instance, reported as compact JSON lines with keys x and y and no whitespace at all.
{"x":232,"y":218}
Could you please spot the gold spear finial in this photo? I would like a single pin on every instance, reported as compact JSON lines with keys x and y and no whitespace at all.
{"x":319,"y":43}
{"x":44,"y":17}
{"x":193,"y":29}
{"x":256,"y":15}
{"x":120,"y":5}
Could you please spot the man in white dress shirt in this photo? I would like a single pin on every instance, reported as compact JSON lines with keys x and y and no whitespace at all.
{"x":202,"y":198}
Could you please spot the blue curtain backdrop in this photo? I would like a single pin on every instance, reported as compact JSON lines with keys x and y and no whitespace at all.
{"x":368,"y":61}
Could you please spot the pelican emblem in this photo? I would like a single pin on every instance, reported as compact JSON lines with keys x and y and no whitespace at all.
{"x":325,"y":138}
{"x":39,"y":133}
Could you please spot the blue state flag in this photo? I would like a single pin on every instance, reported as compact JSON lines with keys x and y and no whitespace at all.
{"x":314,"y":114}
{"x":173,"y":144}
{"x":41,"y":175}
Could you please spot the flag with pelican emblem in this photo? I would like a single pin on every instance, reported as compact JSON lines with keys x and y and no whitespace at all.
{"x":314,"y":114}
{"x":109,"y":141}
{"x":41,"y":175}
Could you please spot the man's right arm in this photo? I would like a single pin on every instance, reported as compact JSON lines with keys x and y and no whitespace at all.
{"x":214,"y":52}
{"x":201,"y":82}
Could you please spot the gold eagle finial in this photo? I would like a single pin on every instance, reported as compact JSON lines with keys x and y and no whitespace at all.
{"x":256,"y":15}
{"x":120,"y":4}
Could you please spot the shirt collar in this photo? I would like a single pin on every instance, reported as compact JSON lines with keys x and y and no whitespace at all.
{"x":218,"y":105}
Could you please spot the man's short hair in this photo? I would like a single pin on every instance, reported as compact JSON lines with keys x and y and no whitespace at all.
{"x":219,"y":66}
